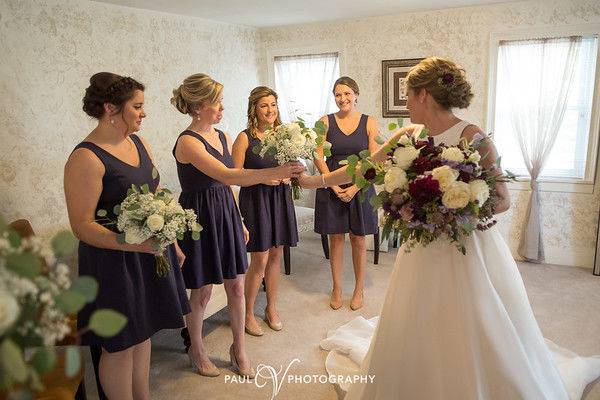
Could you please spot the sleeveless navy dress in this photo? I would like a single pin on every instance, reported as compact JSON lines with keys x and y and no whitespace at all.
{"x":332,"y":215}
{"x":268,"y":211}
{"x":221,"y":251}
{"x":127,"y":281}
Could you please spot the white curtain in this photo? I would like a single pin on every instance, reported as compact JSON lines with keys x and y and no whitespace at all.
{"x":537,"y":74}
{"x":304,"y":84}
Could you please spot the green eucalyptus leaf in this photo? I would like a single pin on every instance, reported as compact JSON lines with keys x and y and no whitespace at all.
{"x":256,"y":149}
{"x":14,"y":239}
{"x":121,"y":238}
{"x":353,"y":158}
{"x":392,"y":126}
{"x":86,"y":286}
{"x":107,"y":323}
{"x":24,"y":264}
{"x":145,"y":188}
{"x":195,"y":235}
{"x":72,"y":361}
{"x":64,"y":244}
{"x":101,"y":213}
{"x":379,"y":140}
{"x":364,"y":154}
{"x":44,"y":359}
{"x":133,"y":207}
{"x":70,"y":301}
{"x":117,"y":209}
{"x":343,"y":162}
{"x":134,"y":188}
{"x":11,"y":358}
{"x":180,"y":236}
{"x":154,"y":173}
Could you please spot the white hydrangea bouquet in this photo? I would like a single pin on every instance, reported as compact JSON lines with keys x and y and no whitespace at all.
{"x":144,"y":215}
{"x":37,"y":300}
{"x":292,"y":142}
{"x":430,"y":191}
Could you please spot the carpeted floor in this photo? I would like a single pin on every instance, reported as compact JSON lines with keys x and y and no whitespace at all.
{"x":566,"y":302}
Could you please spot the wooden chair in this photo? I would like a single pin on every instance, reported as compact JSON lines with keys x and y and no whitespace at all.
{"x":57,"y":385}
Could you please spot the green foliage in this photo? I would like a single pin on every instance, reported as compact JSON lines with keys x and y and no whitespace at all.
{"x":64,"y":244}
{"x":26,"y":265}
{"x":106,"y":323}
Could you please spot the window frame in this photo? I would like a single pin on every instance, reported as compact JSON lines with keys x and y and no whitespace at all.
{"x":591,"y":173}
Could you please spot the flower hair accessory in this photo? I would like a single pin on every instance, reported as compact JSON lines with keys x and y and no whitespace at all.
{"x":447,"y":80}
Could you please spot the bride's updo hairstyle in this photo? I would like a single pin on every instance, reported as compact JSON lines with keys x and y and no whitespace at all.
{"x":195,"y":90}
{"x":106,"y":87}
{"x":443,"y":79}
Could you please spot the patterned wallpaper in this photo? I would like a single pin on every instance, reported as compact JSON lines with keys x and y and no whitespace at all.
{"x":570,"y":220}
{"x":51,"y":48}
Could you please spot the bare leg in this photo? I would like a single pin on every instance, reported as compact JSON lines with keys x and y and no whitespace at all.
{"x":141,"y":370}
{"x":198,"y":301}
{"x":336,"y":259}
{"x":272,"y":275}
{"x":359,"y":259}
{"x":116,"y":374}
{"x":254,"y":276}
{"x":234,"y":288}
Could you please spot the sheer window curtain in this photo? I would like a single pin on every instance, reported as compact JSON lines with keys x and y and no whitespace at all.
{"x":538,"y":103}
{"x":304,"y":83}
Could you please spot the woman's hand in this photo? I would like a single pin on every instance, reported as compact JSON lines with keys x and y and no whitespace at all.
{"x":309,"y":181}
{"x":348,"y":194}
{"x":180,"y":255}
{"x":289,"y":170}
{"x":338,"y":191}
{"x":148,"y":246}
{"x":246,"y":233}
{"x":274,"y":182}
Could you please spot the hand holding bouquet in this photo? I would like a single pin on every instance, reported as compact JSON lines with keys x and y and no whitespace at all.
{"x":144,"y":215}
{"x":429,"y":190}
{"x":291,"y":142}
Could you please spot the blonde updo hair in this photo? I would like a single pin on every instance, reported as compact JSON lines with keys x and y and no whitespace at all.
{"x":443,"y":79}
{"x":194,"y":91}
{"x":255,"y":95}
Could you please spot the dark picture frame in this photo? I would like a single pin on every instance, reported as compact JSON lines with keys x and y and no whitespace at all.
{"x":393,"y":87}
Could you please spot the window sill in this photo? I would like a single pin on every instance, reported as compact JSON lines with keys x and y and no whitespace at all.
{"x":554,"y":185}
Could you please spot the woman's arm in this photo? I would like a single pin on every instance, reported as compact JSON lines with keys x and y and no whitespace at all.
{"x":83,"y":186}
{"x":238,"y":152}
{"x":190,"y":150}
{"x":489,"y":157}
{"x":339,"y":176}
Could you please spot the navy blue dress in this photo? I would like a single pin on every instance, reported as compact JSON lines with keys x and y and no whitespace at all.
{"x":332,"y":215}
{"x":127,"y":281}
{"x":221,"y":251}
{"x":268,"y":211}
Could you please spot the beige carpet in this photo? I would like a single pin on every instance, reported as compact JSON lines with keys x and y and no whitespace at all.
{"x":566,"y":302}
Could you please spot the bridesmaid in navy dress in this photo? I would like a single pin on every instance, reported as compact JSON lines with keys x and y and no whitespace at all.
{"x":337,"y":210}
{"x":97,"y":175}
{"x":206,"y":170}
{"x":267,"y":209}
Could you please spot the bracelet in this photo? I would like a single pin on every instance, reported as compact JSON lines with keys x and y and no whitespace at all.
{"x":323,"y":180}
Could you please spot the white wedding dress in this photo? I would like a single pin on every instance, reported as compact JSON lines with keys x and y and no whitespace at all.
{"x":456,"y":327}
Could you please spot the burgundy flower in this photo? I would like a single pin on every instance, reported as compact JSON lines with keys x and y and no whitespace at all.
{"x":370,"y":174}
{"x":447,"y":79}
{"x":424,"y":190}
{"x":424,"y":163}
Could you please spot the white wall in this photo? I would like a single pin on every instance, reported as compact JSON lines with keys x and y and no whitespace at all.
{"x":49,"y":49}
{"x":570,"y":220}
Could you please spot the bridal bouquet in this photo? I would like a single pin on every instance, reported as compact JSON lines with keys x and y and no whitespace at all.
{"x":144,"y":215}
{"x":430,"y":191}
{"x":37,"y":302}
{"x":291,"y":142}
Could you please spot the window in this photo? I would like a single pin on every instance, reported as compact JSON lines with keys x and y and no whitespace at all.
{"x":304,"y":83}
{"x":520,"y":60}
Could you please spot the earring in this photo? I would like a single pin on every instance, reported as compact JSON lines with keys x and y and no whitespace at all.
{"x":112,"y":121}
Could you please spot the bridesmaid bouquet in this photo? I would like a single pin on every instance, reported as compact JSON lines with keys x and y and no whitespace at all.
{"x":144,"y":215}
{"x":430,"y":191}
{"x":38,"y":301}
{"x":291,"y":142}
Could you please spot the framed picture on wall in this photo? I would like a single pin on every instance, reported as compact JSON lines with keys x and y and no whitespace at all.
{"x":393,"y":86}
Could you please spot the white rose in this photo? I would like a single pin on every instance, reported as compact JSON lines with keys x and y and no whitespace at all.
{"x":445,"y":176}
{"x":405,"y":140}
{"x":9,"y":311}
{"x":134,"y":236}
{"x":298,"y":139}
{"x":155,"y":222}
{"x":395,"y":178}
{"x":457,"y":195}
{"x":475,"y":157}
{"x":404,"y":156}
{"x":480,"y":191}
{"x":453,"y":154}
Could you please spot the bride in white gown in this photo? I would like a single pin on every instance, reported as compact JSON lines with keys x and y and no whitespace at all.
{"x":453,"y":326}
